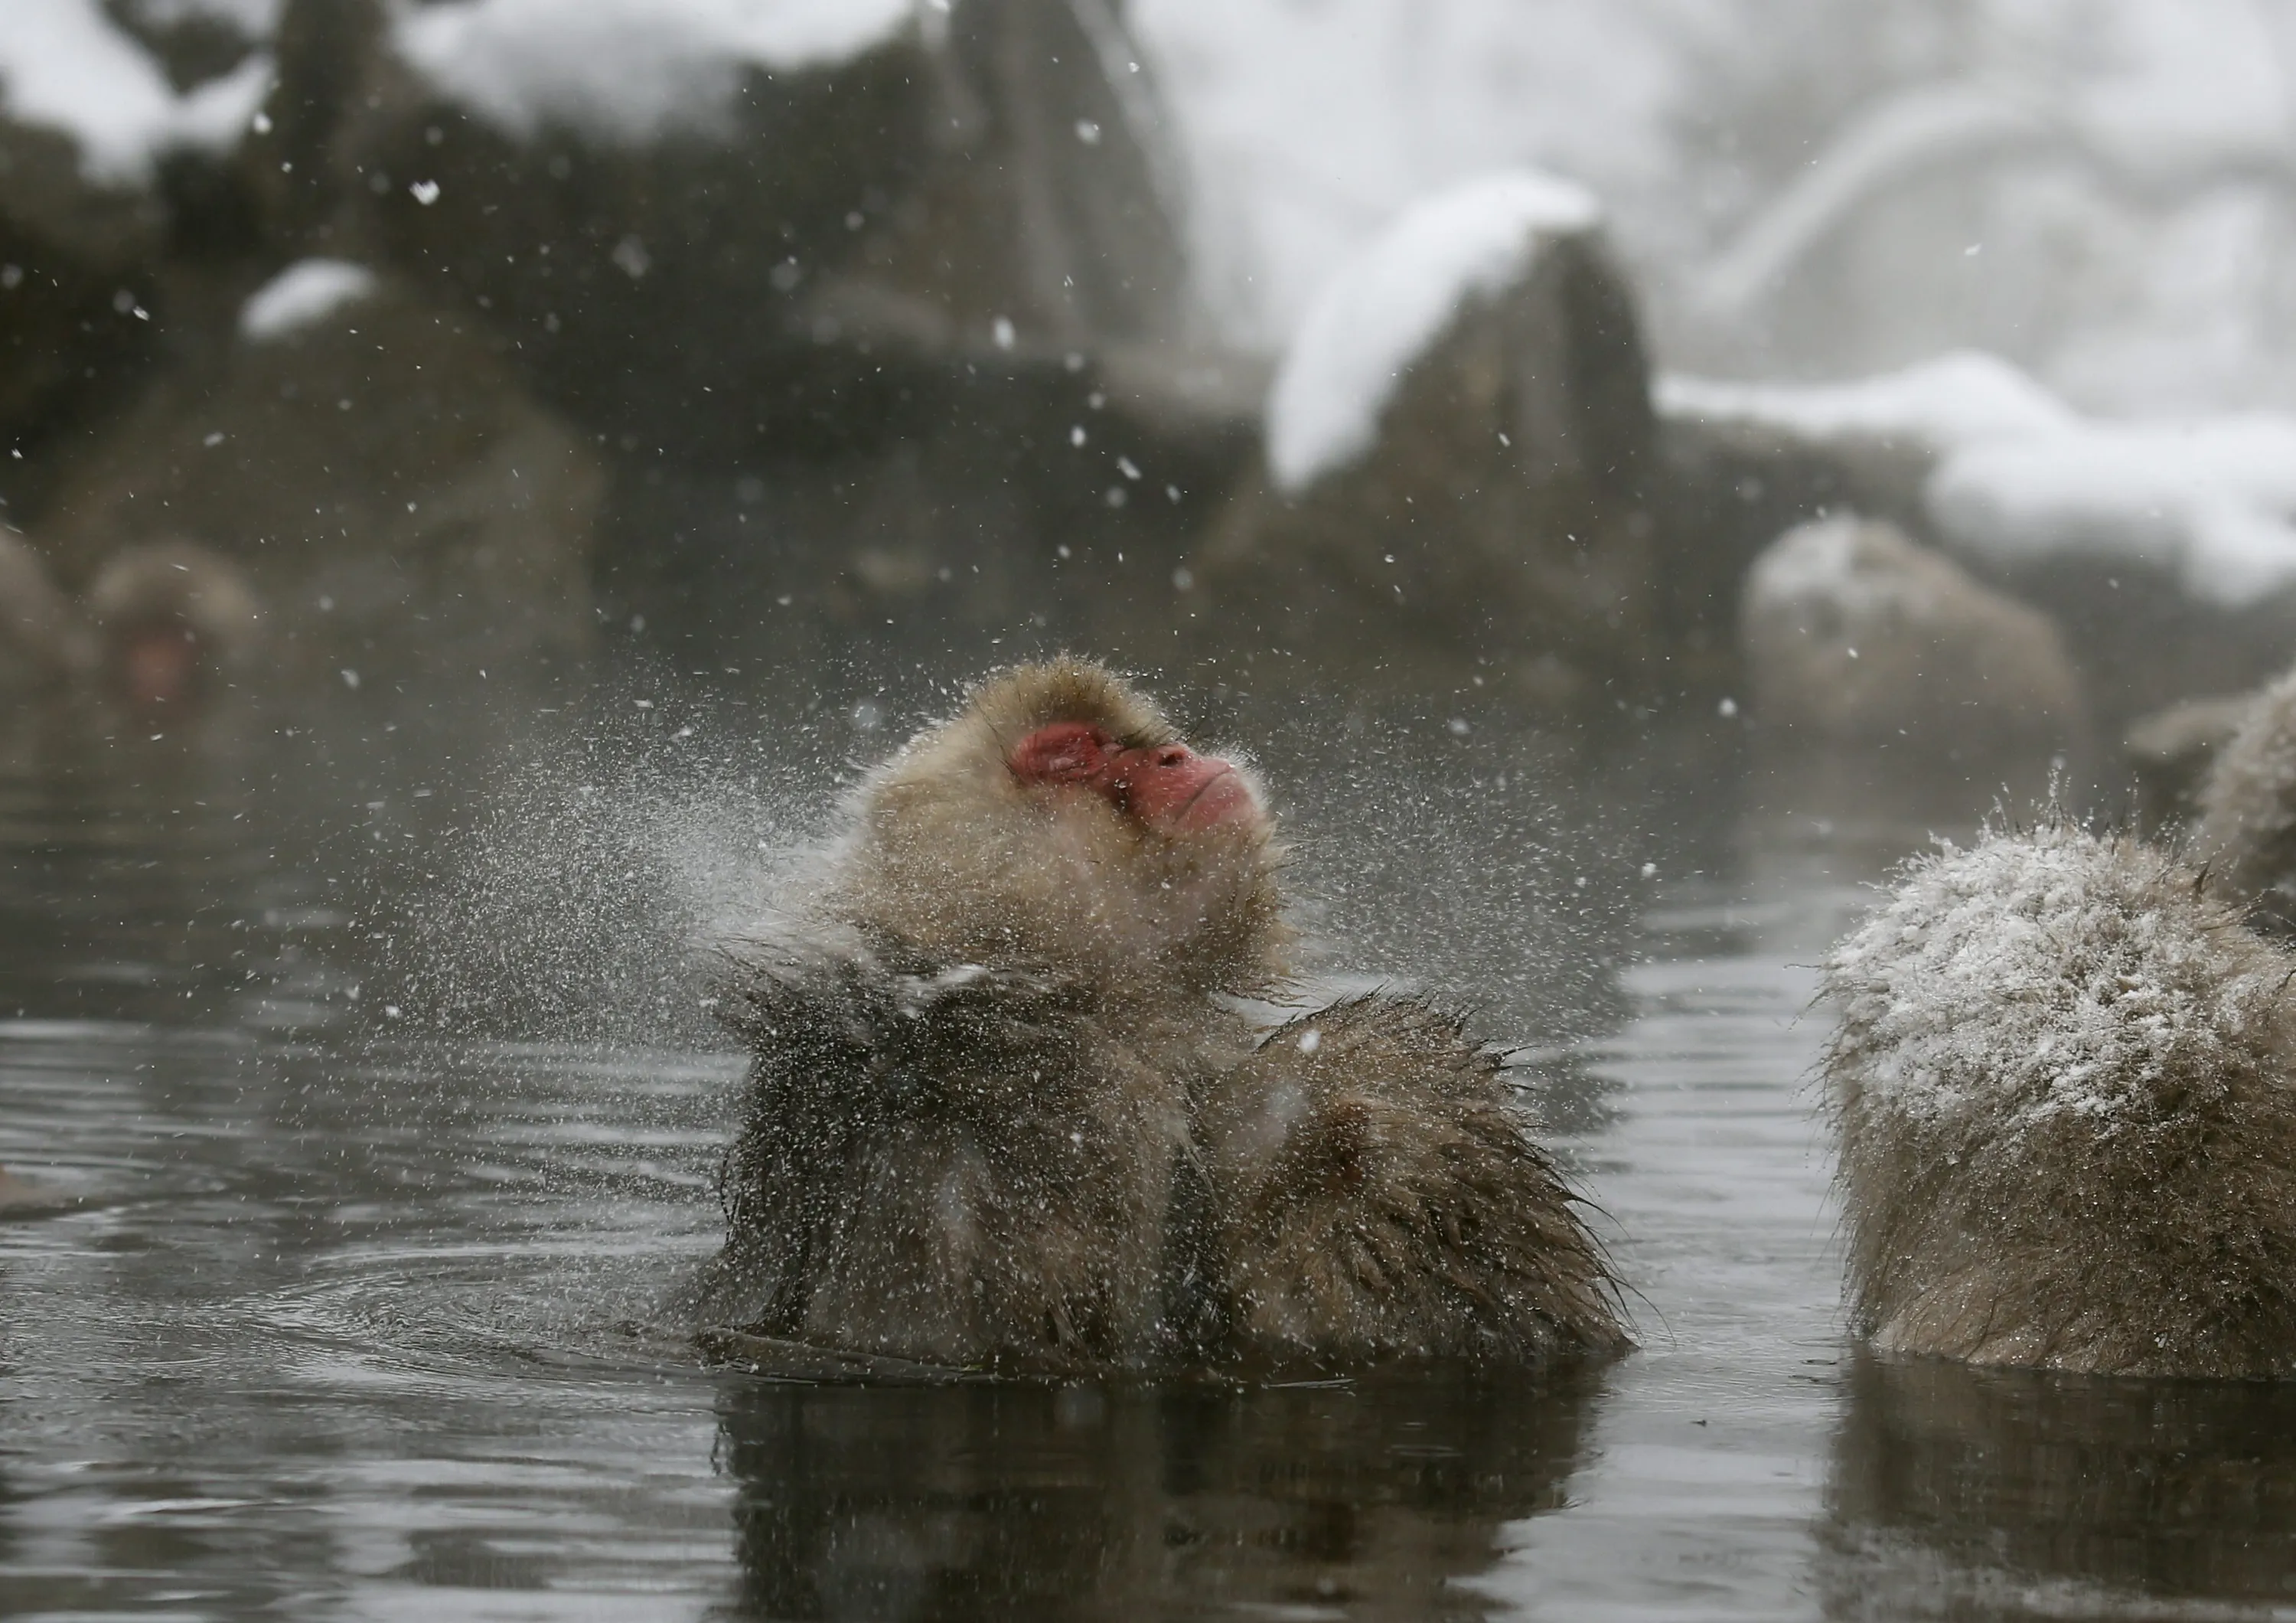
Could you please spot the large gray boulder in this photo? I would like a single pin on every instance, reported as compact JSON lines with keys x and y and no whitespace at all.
{"x":1458,"y":443}
{"x":94,"y":125}
{"x":723,"y":239}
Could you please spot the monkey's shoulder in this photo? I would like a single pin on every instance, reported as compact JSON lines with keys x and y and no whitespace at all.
{"x":1405,"y":1041}
{"x":1379,"y":1191}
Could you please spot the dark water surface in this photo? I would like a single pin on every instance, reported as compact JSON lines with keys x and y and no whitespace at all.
{"x":329,"y":1313}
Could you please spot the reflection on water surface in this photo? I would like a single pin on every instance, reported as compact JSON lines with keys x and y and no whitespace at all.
{"x":1365,"y":1501}
{"x":333,"y":1314}
{"x":2020,"y":1492}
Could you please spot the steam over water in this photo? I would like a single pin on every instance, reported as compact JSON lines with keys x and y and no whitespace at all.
{"x":331,"y":1312}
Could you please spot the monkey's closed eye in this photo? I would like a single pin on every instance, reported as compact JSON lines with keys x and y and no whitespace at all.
{"x":1065,"y":752}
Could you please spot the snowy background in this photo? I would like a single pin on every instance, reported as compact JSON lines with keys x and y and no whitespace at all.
{"x":2101,"y":194}
{"x":2098,"y":190}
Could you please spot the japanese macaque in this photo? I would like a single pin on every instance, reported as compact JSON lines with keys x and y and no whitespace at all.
{"x":1856,"y":636}
{"x":2246,"y":835}
{"x":174,"y":619}
{"x":2064,"y":1088}
{"x":43,"y":639}
{"x":2168,"y":755}
{"x":161,"y":622}
{"x":1005,"y":1109}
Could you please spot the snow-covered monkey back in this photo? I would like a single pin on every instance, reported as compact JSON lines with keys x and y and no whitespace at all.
{"x":2062,"y":1086}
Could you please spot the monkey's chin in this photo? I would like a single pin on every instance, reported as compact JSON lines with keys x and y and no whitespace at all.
{"x":1211,"y":909}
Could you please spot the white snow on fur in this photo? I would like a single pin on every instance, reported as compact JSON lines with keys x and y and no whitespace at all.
{"x":2038,"y":974}
{"x":625,"y":71}
{"x":2020,"y":477}
{"x":64,"y":66}
{"x":1381,"y":310}
{"x":306,"y":292}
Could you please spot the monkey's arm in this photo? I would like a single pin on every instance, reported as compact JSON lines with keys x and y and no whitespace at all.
{"x":791,"y":987}
{"x":1377,"y":1193}
{"x":874,"y":1072}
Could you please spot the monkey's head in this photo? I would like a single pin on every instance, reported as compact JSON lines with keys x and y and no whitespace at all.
{"x":1059,"y":817}
{"x":174,"y":617}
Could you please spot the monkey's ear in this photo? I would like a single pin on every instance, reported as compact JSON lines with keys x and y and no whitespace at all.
{"x":1066,"y":752}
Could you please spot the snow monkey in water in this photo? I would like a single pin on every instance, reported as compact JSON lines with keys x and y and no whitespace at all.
{"x":1005,"y":1109}
{"x":161,"y":622}
{"x":2246,"y":834}
{"x":2064,"y":1088}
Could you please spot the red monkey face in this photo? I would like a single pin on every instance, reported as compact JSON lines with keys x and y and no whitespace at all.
{"x":1167,"y":787}
{"x":158,"y":665}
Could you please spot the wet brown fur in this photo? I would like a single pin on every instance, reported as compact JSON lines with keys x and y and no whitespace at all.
{"x":2155,"y":1235}
{"x":1378,"y":1194}
{"x":1003,"y":1112}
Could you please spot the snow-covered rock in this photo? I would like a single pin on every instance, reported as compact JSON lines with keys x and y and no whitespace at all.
{"x":1931,"y":408}
{"x":2165,"y":548}
{"x":1813,"y":188}
{"x":65,"y":66}
{"x":306,"y":292}
{"x":2211,"y":504}
{"x":2012,"y":477}
{"x":1458,"y":442}
{"x":89,"y":117}
{"x":625,"y":72}
{"x":1310,"y":128}
{"x":1853,"y":634}
{"x":665,"y":203}
{"x":1748,"y":461}
{"x":1377,"y":317}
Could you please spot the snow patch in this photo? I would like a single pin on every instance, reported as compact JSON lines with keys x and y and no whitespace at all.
{"x":1830,"y":560}
{"x":1939,"y":404}
{"x":256,"y":18}
{"x":306,"y":292}
{"x":211,"y":118}
{"x":65,"y":66}
{"x":626,"y":71}
{"x":1380,"y":313}
{"x":2209,"y":502}
{"x":2019,"y":477}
